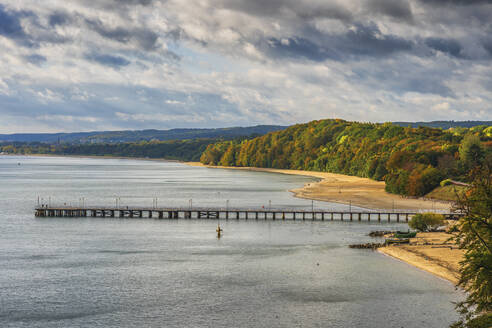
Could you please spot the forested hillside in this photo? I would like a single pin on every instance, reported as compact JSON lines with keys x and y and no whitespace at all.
{"x":185,"y":150}
{"x":412,"y":161}
{"x":444,"y":124}
{"x":140,"y":135}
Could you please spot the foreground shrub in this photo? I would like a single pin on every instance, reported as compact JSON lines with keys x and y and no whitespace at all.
{"x":482,"y":321}
{"x":426,"y":221}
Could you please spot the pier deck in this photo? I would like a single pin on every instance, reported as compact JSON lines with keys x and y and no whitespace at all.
{"x":229,"y":213}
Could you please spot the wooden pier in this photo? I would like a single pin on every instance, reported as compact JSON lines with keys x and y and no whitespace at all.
{"x":226,"y":214}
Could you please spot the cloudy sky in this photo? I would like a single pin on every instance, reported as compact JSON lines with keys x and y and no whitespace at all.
{"x":79,"y":65}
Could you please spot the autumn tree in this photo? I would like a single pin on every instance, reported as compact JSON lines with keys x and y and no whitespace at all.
{"x":475,"y":237}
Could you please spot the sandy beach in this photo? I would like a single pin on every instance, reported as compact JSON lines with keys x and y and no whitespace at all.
{"x":339,"y":188}
{"x":431,"y":252}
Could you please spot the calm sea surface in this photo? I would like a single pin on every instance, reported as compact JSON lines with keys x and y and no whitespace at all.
{"x":93,"y":272}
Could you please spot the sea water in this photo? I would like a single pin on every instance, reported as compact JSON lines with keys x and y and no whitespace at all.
{"x":95,"y":272}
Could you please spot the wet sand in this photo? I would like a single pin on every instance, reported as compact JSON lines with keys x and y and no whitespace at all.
{"x":431,"y":252}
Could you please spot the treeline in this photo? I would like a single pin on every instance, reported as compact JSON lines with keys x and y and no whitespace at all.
{"x":141,"y":135}
{"x":185,"y":150}
{"x":412,"y":161}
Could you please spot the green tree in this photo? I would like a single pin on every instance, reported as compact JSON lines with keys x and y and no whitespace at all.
{"x":426,"y":221}
{"x":475,"y":237}
{"x":471,"y":151}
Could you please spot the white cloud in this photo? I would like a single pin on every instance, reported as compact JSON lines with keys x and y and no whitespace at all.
{"x":174,"y":102}
{"x":47,"y":95}
{"x":66,"y":118}
{"x":4,"y":88}
{"x":441,"y":107}
{"x":259,"y":62}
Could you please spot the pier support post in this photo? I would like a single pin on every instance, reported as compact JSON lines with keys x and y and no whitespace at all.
{"x":360,"y":216}
{"x":389,"y":217}
{"x":398,"y":217}
{"x":283,"y":215}
{"x":379,"y":217}
{"x":323,"y":216}
{"x":303,"y":216}
{"x":351,"y":216}
{"x":406,"y":217}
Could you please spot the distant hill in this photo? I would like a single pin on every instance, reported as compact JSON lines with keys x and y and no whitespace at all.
{"x":411,"y":161}
{"x":140,"y":135}
{"x":444,"y":124}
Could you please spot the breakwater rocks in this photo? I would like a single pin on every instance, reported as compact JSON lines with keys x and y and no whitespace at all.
{"x":372,"y":246}
{"x":380,"y":233}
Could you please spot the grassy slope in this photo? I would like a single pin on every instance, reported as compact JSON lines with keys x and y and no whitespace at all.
{"x":448,"y":193}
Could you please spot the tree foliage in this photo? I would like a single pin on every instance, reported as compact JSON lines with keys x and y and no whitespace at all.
{"x":426,"y":221}
{"x":186,"y":150}
{"x":412,"y":161}
{"x":475,"y":237}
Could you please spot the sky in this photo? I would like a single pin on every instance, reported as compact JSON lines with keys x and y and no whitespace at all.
{"x":82,"y":65}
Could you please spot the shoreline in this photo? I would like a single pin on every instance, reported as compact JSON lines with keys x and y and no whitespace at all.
{"x":99,"y":157}
{"x":435,"y":259}
{"x":345,"y":189}
{"x":330,"y":187}
{"x":430,"y":252}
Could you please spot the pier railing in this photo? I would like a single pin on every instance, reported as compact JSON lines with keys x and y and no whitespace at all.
{"x":229,"y":213}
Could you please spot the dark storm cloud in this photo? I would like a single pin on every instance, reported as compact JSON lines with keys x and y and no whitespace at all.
{"x":145,"y":38}
{"x":457,"y":2}
{"x":108,"y":60}
{"x":369,"y":41}
{"x":397,"y":9}
{"x":278,"y":8}
{"x":401,"y":55}
{"x":448,"y":46}
{"x":360,"y":41}
{"x":488,"y":46}
{"x":11,"y":27}
{"x":299,"y":48}
{"x":424,"y":85}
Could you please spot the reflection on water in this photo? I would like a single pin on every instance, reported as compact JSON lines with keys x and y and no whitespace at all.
{"x":65,"y":272}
